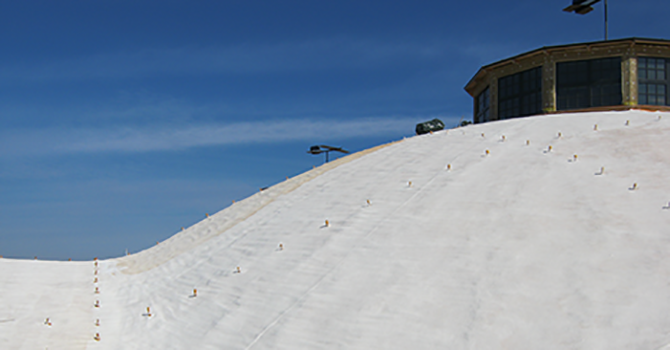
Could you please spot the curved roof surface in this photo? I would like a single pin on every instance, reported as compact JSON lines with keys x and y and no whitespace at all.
{"x":458,"y":239}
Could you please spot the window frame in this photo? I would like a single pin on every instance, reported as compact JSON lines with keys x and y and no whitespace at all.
{"x":589,"y":83}
{"x":520,"y":94}
{"x":644,"y":82}
{"x":483,"y":106}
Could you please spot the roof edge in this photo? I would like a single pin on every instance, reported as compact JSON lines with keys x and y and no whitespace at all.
{"x":547,"y":49}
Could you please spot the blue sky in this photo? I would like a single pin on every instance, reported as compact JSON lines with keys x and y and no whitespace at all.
{"x":122,"y":121}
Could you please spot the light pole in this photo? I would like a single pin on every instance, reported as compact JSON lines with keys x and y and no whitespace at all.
{"x":606,"y":28}
{"x":583,"y":7}
{"x":325,"y":149}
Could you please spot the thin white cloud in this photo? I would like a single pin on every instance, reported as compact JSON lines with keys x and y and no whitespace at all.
{"x":171,"y":138}
{"x":333,"y":53}
{"x":241,"y":59}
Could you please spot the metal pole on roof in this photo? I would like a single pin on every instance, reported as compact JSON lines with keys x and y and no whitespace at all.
{"x":606,"y":29}
{"x":583,"y":7}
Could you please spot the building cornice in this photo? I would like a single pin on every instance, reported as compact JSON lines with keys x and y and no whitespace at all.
{"x":481,"y":74}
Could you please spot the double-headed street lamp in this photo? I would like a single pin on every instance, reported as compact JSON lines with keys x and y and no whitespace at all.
{"x":583,"y":7}
{"x":325,"y":149}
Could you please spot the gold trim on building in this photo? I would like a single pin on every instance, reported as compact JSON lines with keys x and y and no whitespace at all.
{"x":547,"y":57}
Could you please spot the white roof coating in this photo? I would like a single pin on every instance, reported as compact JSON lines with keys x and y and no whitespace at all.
{"x":432,"y":242}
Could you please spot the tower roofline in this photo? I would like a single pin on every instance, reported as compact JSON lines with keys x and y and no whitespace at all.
{"x":545,"y":50}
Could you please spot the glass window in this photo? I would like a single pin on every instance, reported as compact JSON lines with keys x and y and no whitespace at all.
{"x":652,"y":81}
{"x":482,"y":106}
{"x":520,"y":94}
{"x":589,"y":83}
